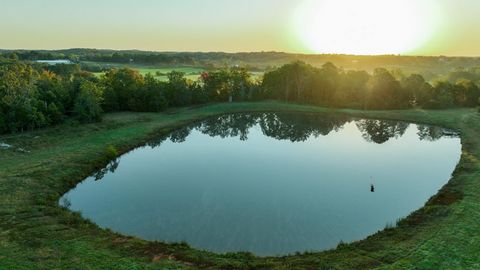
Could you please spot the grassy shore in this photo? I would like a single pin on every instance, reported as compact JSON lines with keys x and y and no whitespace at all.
{"x":37,"y":234}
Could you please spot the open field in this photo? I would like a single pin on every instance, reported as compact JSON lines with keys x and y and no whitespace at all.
{"x":42,"y":165}
{"x":191,"y":73}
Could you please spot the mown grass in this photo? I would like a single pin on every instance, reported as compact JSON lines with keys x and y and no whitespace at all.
{"x":160,"y":73}
{"x":35,"y":233}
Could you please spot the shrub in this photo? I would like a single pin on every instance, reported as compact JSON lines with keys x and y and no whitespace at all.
{"x":111,"y":152}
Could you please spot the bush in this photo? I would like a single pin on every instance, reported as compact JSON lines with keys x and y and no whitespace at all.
{"x":111,"y":152}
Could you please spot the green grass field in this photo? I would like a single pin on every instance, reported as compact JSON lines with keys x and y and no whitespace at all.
{"x":35,"y":233}
{"x":191,"y":73}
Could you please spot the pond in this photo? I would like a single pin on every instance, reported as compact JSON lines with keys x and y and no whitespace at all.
{"x":55,"y":62}
{"x":270,"y":183}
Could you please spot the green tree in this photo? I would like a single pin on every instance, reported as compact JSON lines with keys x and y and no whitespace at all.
{"x":19,"y":98}
{"x":442,"y":96}
{"x":412,"y":86}
{"x":352,"y":91}
{"x":217,"y":85}
{"x":150,"y":97}
{"x":240,"y":82}
{"x":199,"y":95}
{"x":53,"y":97}
{"x":386,"y":92}
{"x":88,"y":103}
{"x":424,"y":95}
{"x":64,"y":70}
{"x":291,"y":82}
{"x":326,"y":84}
{"x":120,"y":86}
{"x":466,"y":93}
{"x":177,"y":89}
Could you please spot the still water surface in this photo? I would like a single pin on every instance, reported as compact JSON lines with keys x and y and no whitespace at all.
{"x":270,"y":184}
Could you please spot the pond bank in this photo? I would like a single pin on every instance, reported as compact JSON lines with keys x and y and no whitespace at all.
{"x":36,"y":233}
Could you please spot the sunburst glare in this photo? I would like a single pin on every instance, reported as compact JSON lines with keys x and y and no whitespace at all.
{"x":366,"y":27}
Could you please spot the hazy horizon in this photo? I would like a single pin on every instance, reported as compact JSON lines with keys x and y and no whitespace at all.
{"x":408,"y":27}
{"x":235,"y":52}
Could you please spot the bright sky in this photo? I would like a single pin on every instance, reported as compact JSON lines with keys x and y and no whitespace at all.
{"x":427,"y":27}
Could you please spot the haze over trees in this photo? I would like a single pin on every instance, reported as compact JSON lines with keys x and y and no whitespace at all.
{"x":96,"y":60}
{"x":333,"y":87}
{"x":34,"y":95}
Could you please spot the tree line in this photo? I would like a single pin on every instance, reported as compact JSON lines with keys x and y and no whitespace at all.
{"x":34,"y":95}
{"x":428,"y":66}
{"x":333,"y":87}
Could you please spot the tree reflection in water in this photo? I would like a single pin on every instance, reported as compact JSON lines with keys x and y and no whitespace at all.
{"x":295,"y":127}
{"x":110,"y":168}
{"x":298,"y":127}
{"x":380,"y":131}
{"x":432,"y":133}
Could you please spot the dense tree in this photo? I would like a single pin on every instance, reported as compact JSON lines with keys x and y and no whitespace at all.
{"x":273,"y":85}
{"x":466,"y":93}
{"x":227,"y":84}
{"x":217,"y":85}
{"x":199,"y":93}
{"x":53,"y":96}
{"x":87,"y":106}
{"x":385,"y":91}
{"x":471,"y":74}
{"x":423,"y":96}
{"x":120,"y":86}
{"x":291,"y":82}
{"x":442,"y":96}
{"x":240,"y":84}
{"x":352,"y":91}
{"x":150,"y":96}
{"x":326,"y":82}
{"x":413,"y":86}
{"x":177,"y":89}
{"x":18,"y":98}
{"x":64,"y":70}
{"x":36,"y":95}
{"x":31,"y":98}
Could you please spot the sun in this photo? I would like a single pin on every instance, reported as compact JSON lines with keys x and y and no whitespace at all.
{"x":368,"y":27}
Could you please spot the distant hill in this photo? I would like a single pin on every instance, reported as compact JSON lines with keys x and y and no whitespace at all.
{"x":254,"y":60}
